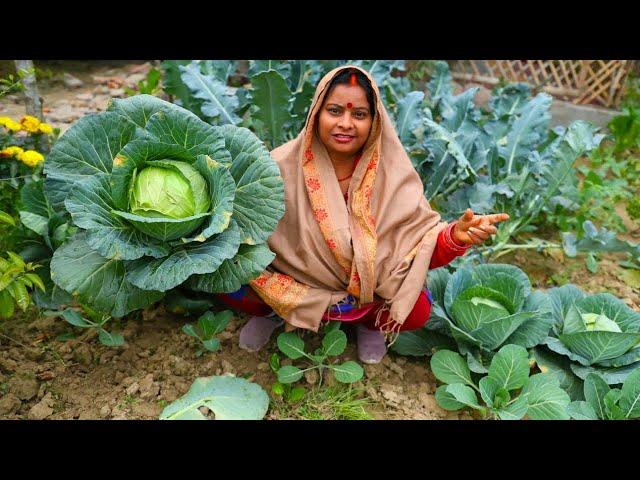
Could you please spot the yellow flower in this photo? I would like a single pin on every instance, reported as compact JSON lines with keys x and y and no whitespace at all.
{"x":45,"y":128}
{"x":4,"y":120}
{"x":30,"y":124}
{"x":11,"y":152}
{"x":31,"y":158}
{"x":12,"y":125}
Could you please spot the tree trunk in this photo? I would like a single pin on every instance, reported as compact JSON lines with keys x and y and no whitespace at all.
{"x":32,"y":100}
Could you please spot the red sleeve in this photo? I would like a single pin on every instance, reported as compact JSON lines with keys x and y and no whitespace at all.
{"x":446,"y":248}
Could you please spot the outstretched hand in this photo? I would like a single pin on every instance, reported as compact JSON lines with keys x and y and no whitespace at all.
{"x":475,"y":229}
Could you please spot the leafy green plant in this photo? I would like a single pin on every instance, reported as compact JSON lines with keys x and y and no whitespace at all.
{"x":482,"y":308}
{"x":150,"y":85}
{"x":16,"y":278}
{"x":95,"y":321}
{"x":287,"y":391}
{"x":596,"y":333}
{"x":333,"y":344}
{"x":507,"y":391}
{"x":625,"y":129}
{"x":606,"y":403}
{"x":209,"y":325}
{"x":275,"y":99}
{"x":228,"y":398}
{"x":161,"y":199}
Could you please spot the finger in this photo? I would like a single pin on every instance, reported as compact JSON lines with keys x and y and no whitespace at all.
{"x":474,"y":238}
{"x":467,"y":215}
{"x":479,"y":233}
{"x":497,"y":217}
{"x":487,"y":228}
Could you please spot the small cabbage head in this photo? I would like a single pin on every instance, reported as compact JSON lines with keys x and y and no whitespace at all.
{"x":598,"y":333}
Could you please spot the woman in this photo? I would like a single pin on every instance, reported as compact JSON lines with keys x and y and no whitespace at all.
{"x":358,"y":236}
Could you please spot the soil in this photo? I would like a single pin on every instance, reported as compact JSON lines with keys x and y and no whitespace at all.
{"x":44,"y":377}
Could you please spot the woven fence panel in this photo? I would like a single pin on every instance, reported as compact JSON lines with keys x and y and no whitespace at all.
{"x":598,"y":82}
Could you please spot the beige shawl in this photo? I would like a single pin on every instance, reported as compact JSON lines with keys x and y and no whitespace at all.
{"x":380,"y":243}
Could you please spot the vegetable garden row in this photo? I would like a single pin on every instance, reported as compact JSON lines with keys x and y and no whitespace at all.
{"x":89,"y":234}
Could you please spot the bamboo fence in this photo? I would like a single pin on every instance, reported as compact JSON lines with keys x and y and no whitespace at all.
{"x":599,"y":82}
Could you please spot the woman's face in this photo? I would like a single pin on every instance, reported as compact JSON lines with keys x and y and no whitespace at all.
{"x":344,"y":120}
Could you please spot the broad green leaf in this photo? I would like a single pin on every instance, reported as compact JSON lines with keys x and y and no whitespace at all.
{"x":6,"y":218}
{"x":536,"y":329}
{"x":184,"y":129}
{"x":630,"y":396}
{"x":110,"y":339}
{"x":488,"y":388}
{"x":139,"y":108}
{"x":33,"y":200}
{"x":173,"y":85}
{"x":472,"y":317}
{"x":34,"y":222}
{"x":91,"y":208}
{"x":190,"y":330}
{"x":291,"y":345}
{"x":211,"y":323}
{"x":74,"y":318}
{"x":464,"y":394}
{"x":53,"y":296}
{"x":271,"y":95}
{"x":459,"y":282}
{"x":212,"y":345}
{"x":437,"y":282}
{"x":421,"y":342}
{"x":347,"y":372}
{"x":514,"y":411}
{"x":494,"y":333}
{"x":563,"y":298}
{"x":450,"y":367}
{"x":289,"y":374}
{"x":247,"y":264}
{"x":440,"y":84}
{"x":230,"y":398}
{"x":259,"y":201}
{"x":295,"y":394}
{"x":581,"y":411}
{"x":550,"y":362}
{"x":20,"y":294}
{"x":409,"y":116}
{"x":334,"y":343}
{"x":35,"y":280}
{"x":546,"y":400}
{"x":486,"y":272}
{"x":87,"y":148}
{"x":194,"y":258}
{"x":6,"y":304}
{"x":219,"y":102}
{"x":526,"y":131}
{"x":446,"y":400}
{"x":274,"y":362}
{"x":510,"y":367}
{"x":612,"y":376}
{"x":611,"y":407}
{"x":598,"y":345}
{"x":221,"y":194}
{"x":595,"y":389}
{"x":97,"y":281}
{"x":509,"y":288}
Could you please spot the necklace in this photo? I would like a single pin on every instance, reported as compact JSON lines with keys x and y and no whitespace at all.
{"x":355,"y":164}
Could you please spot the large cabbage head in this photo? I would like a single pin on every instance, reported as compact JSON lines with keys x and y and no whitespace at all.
{"x":486,"y":307}
{"x":161,"y":199}
{"x":598,"y":333}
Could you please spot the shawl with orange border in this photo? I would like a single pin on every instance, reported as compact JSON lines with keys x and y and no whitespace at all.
{"x":378,"y":244}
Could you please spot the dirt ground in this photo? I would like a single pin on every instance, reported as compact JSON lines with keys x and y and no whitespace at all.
{"x":42,"y":376}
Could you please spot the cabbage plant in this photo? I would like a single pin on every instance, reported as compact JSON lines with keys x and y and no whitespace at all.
{"x":596,"y":333}
{"x":605,"y":403}
{"x":483,"y":308}
{"x":160,"y":199}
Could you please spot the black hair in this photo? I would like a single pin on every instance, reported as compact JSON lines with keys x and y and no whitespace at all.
{"x":344,"y":78}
